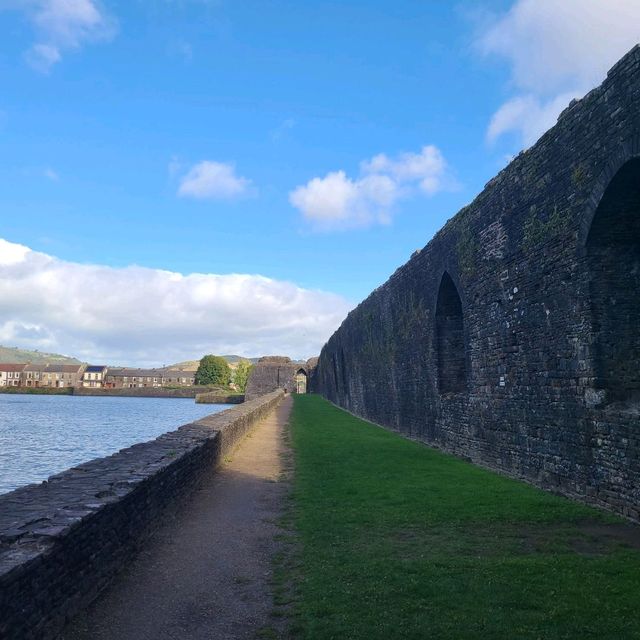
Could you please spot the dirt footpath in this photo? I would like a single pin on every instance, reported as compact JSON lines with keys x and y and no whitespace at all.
{"x":206,"y":574}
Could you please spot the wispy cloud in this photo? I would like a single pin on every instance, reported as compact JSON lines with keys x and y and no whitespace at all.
{"x":50,"y":174}
{"x":556,"y":51}
{"x":337,"y":201}
{"x":210,"y":180}
{"x":181,"y":49}
{"x":282,"y":129}
{"x":136,"y":315}
{"x":61,"y":26}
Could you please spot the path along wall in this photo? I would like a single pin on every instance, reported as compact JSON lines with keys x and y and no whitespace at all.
{"x":63,"y":541}
{"x":513,"y":337}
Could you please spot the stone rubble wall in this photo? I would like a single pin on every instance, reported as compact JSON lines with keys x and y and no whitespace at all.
{"x":213,"y":397}
{"x":141,"y":392}
{"x":63,"y":541}
{"x":277,"y":372}
{"x":126,"y":392}
{"x":526,"y":397}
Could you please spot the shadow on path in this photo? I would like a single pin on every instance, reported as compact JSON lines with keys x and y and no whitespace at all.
{"x":206,"y":572}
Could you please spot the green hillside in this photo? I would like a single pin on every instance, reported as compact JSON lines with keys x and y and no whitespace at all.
{"x":18,"y":356}
{"x":192,"y":365}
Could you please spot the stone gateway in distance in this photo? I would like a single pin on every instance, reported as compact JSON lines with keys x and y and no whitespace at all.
{"x":279,"y":372}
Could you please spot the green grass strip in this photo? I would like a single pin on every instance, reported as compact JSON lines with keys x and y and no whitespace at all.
{"x":400,"y":541}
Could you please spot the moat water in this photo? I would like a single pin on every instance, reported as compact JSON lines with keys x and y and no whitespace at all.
{"x":43,"y":435}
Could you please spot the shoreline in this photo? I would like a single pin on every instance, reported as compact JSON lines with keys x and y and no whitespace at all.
{"x":221,"y":396}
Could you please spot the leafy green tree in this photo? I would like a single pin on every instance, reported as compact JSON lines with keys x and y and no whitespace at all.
{"x":241,"y":374}
{"x":213,"y":370}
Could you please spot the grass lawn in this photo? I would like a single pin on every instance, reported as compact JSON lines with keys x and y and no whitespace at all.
{"x":400,"y":541}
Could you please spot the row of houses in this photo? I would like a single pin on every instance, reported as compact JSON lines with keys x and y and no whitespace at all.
{"x":71,"y":375}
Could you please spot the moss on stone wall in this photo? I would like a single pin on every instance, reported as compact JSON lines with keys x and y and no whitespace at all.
{"x":537,"y":231}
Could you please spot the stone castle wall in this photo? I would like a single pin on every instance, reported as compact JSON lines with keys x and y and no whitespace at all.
{"x":513,"y":337}
{"x":277,"y":372}
{"x":63,"y":541}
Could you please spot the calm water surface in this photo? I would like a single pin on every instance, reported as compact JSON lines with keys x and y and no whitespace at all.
{"x":43,"y":435}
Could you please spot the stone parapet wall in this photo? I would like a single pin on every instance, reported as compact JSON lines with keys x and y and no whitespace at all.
{"x":512,"y":338}
{"x":213,"y":397}
{"x":141,"y":392}
{"x":126,"y":392}
{"x":63,"y":541}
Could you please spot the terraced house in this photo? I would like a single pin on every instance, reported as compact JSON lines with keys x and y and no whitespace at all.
{"x":94,"y":376}
{"x":120,"y":377}
{"x":61,"y":375}
{"x":11,"y":374}
{"x":178,"y":378}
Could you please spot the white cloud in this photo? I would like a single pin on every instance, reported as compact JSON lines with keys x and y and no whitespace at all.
{"x":136,"y":315}
{"x":62,"y":25}
{"x":556,"y":51}
{"x":528,"y":115}
{"x":42,"y":57}
{"x":51,"y":174}
{"x":212,"y":180}
{"x":339,"y":202}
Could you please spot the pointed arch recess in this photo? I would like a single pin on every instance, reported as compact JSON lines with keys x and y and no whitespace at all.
{"x":452,"y":372}
{"x":613,"y":258}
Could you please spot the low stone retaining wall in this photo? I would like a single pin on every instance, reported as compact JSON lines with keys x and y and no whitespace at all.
{"x":138,"y":392}
{"x":133,"y":392}
{"x":63,"y":541}
{"x":38,"y":391}
{"x":212,"y":397}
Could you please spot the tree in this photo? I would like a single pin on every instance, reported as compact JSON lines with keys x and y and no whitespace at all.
{"x":241,"y":374}
{"x":213,"y":370}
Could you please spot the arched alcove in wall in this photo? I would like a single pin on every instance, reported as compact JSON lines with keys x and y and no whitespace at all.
{"x":613,"y":257}
{"x":301,"y":381}
{"x":452,"y":373}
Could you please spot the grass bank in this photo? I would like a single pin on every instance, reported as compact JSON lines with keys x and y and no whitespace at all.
{"x":400,"y":541}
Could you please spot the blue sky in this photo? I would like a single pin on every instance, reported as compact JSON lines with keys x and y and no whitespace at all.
{"x":315,"y":144}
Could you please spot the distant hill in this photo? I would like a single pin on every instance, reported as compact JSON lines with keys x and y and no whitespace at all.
{"x":236,"y":359}
{"x":187,"y":365}
{"x":19,"y":356}
{"x":192,"y":365}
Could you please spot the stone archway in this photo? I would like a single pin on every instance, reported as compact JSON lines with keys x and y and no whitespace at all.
{"x":613,"y":258}
{"x":301,"y":381}
{"x":452,"y":373}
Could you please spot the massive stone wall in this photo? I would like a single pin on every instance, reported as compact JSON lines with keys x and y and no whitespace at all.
{"x":63,"y":541}
{"x":513,"y":337}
